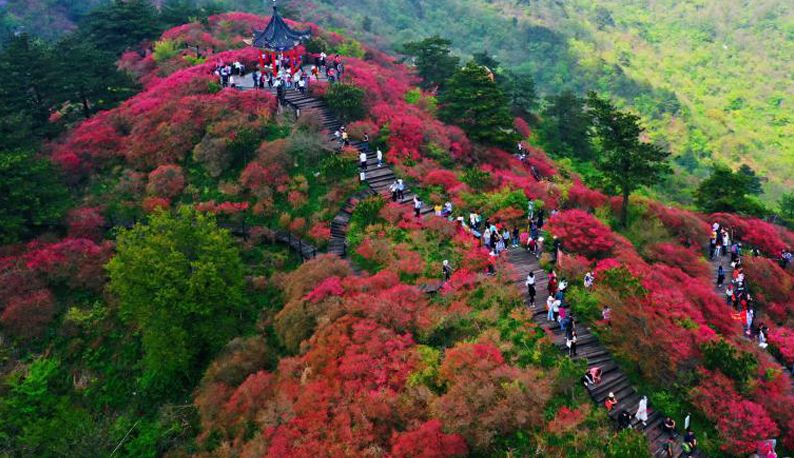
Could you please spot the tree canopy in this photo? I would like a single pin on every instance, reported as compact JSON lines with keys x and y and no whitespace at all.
{"x":434,"y":61}
{"x":472,"y":100}
{"x":179,"y":282}
{"x":566,"y":126}
{"x":626,"y":161}
{"x":728,"y":191}
{"x":32,"y":197}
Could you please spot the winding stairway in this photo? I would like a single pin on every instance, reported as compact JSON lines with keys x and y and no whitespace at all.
{"x":614,"y":380}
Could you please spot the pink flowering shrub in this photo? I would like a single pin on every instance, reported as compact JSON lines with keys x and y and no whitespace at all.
{"x":582,"y":233}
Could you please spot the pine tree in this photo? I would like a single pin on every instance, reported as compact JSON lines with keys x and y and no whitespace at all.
{"x":626,"y":161}
{"x":121,"y":24}
{"x":433,"y":59}
{"x":565,"y":129}
{"x":472,"y":100}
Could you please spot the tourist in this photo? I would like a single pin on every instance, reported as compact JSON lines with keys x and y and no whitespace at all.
{"x":610,"y":402}
{"x":550,"y":308}
{"x":624,"y":419}
{"x":362,"y":176}
{"x":669,"y":427}
{"x":571,"y":344}
{"x":492,"y":262}
{"x":362,"y":157}
{"x":446,"y":270}
{"x":762,"y":333}
{"x":690,"y":443}
{"x":531,"y":245}
{"x":379,"y":156}
{"x":588,"y":279}
{"x":516,"y":238}
{"x":417,"y":206}
{"x":555,"y":309}
{"x":669,"y":447}
{"x":400,"y":189}
{"x":530,"y":284}
{"x":530,"y":210}
{"x":606,"y":315}
{"x":592,"y":377}
{"x":556,"y":248}
{"x":720,"y":276}
{"x":729,"y":294}
{"x":393,"y":190}
{"x":447,"y":212}
{"x":642,"y":411}
{"x":437,"y":209}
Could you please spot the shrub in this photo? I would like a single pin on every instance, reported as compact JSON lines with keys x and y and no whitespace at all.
{"x":582,"y":233}
{"x":166,"y":181}
{"x":739,"y":365}
{"x":346,"y":101}
{"x":28,"y":316}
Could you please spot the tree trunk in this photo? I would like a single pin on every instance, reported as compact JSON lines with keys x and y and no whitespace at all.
{"x":624,"y":208}
{"x":86,"y":109}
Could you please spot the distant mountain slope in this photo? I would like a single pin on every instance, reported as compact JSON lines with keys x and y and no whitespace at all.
{"x":713,"y":77}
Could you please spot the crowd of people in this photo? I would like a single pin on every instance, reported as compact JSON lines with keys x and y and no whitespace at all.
{"x":737,"y":292}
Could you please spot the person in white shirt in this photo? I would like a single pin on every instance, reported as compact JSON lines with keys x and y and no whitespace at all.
{"x":362,"y":157}
{"x":588,"y":280}
{"x":530,"y":283}
{"x":379,"y":155}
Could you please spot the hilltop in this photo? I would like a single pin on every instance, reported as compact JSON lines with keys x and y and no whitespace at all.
{"x":157,"y":313}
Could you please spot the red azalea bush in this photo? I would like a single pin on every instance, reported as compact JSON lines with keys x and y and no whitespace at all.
{"x":28,"y":316}
{"x":580,"y":196}
{"x":428,"y":441}
{"x":686,"y":259}
{"x":86,"y":222}
{"x":166,"y":181}
{"x":742,"y":424}
{"x":685,"y":225}
{"x":580,"y":232}
{"x":782,"y":339}
{"x":770,"y":282}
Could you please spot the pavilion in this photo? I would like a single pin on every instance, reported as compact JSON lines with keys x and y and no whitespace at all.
{"x":279,"y":38}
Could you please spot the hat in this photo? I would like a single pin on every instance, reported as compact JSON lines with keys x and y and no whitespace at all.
{"x":611,"y":394}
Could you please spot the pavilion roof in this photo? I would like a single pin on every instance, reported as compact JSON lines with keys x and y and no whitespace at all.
{"x":278,"y":36}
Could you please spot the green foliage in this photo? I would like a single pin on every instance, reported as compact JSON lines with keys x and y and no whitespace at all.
{"x":628,"y":443}
{"x":427,"y":373}
{"x":179,"y":282}
{"x":524,"y":336}
{"x":346,"y":101}
{"x":519,"y":88}
{"x":97,"y":87}
{"x":585,"y":305}
{"x":626,"y":161}
{"x":473,"y":101}
{"x":619,"y":279}
{"x":477,"y":179}
{"x":165,"y":50}
{"x":565,"y":128}
{"x":31,"y":196}
{"x":121,"y":24}
{"x":728,"y":191}
{"x":433,"y":59}
{"x":736,"y":364}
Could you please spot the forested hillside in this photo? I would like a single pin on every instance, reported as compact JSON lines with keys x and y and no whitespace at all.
{"x":712,"y":78}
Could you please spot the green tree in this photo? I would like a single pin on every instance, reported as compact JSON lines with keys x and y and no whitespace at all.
{"x":179,"y":282}
{"x":433,"y":59}
{"x":473,"y":101}
{"x":520,"y":91}
{"x":121,"y":24}
{"x":27,"y":92}
{"x":786,"y":205}
{"x":486,"y":60}
{"x":95,"y":87}
{"x":32,"y":198}
{"x":346,"y":101}
{"x":727,"y":191}
{"x":566,"y":127}
{"x":626,"y":162}
{"x":755,"y":188}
